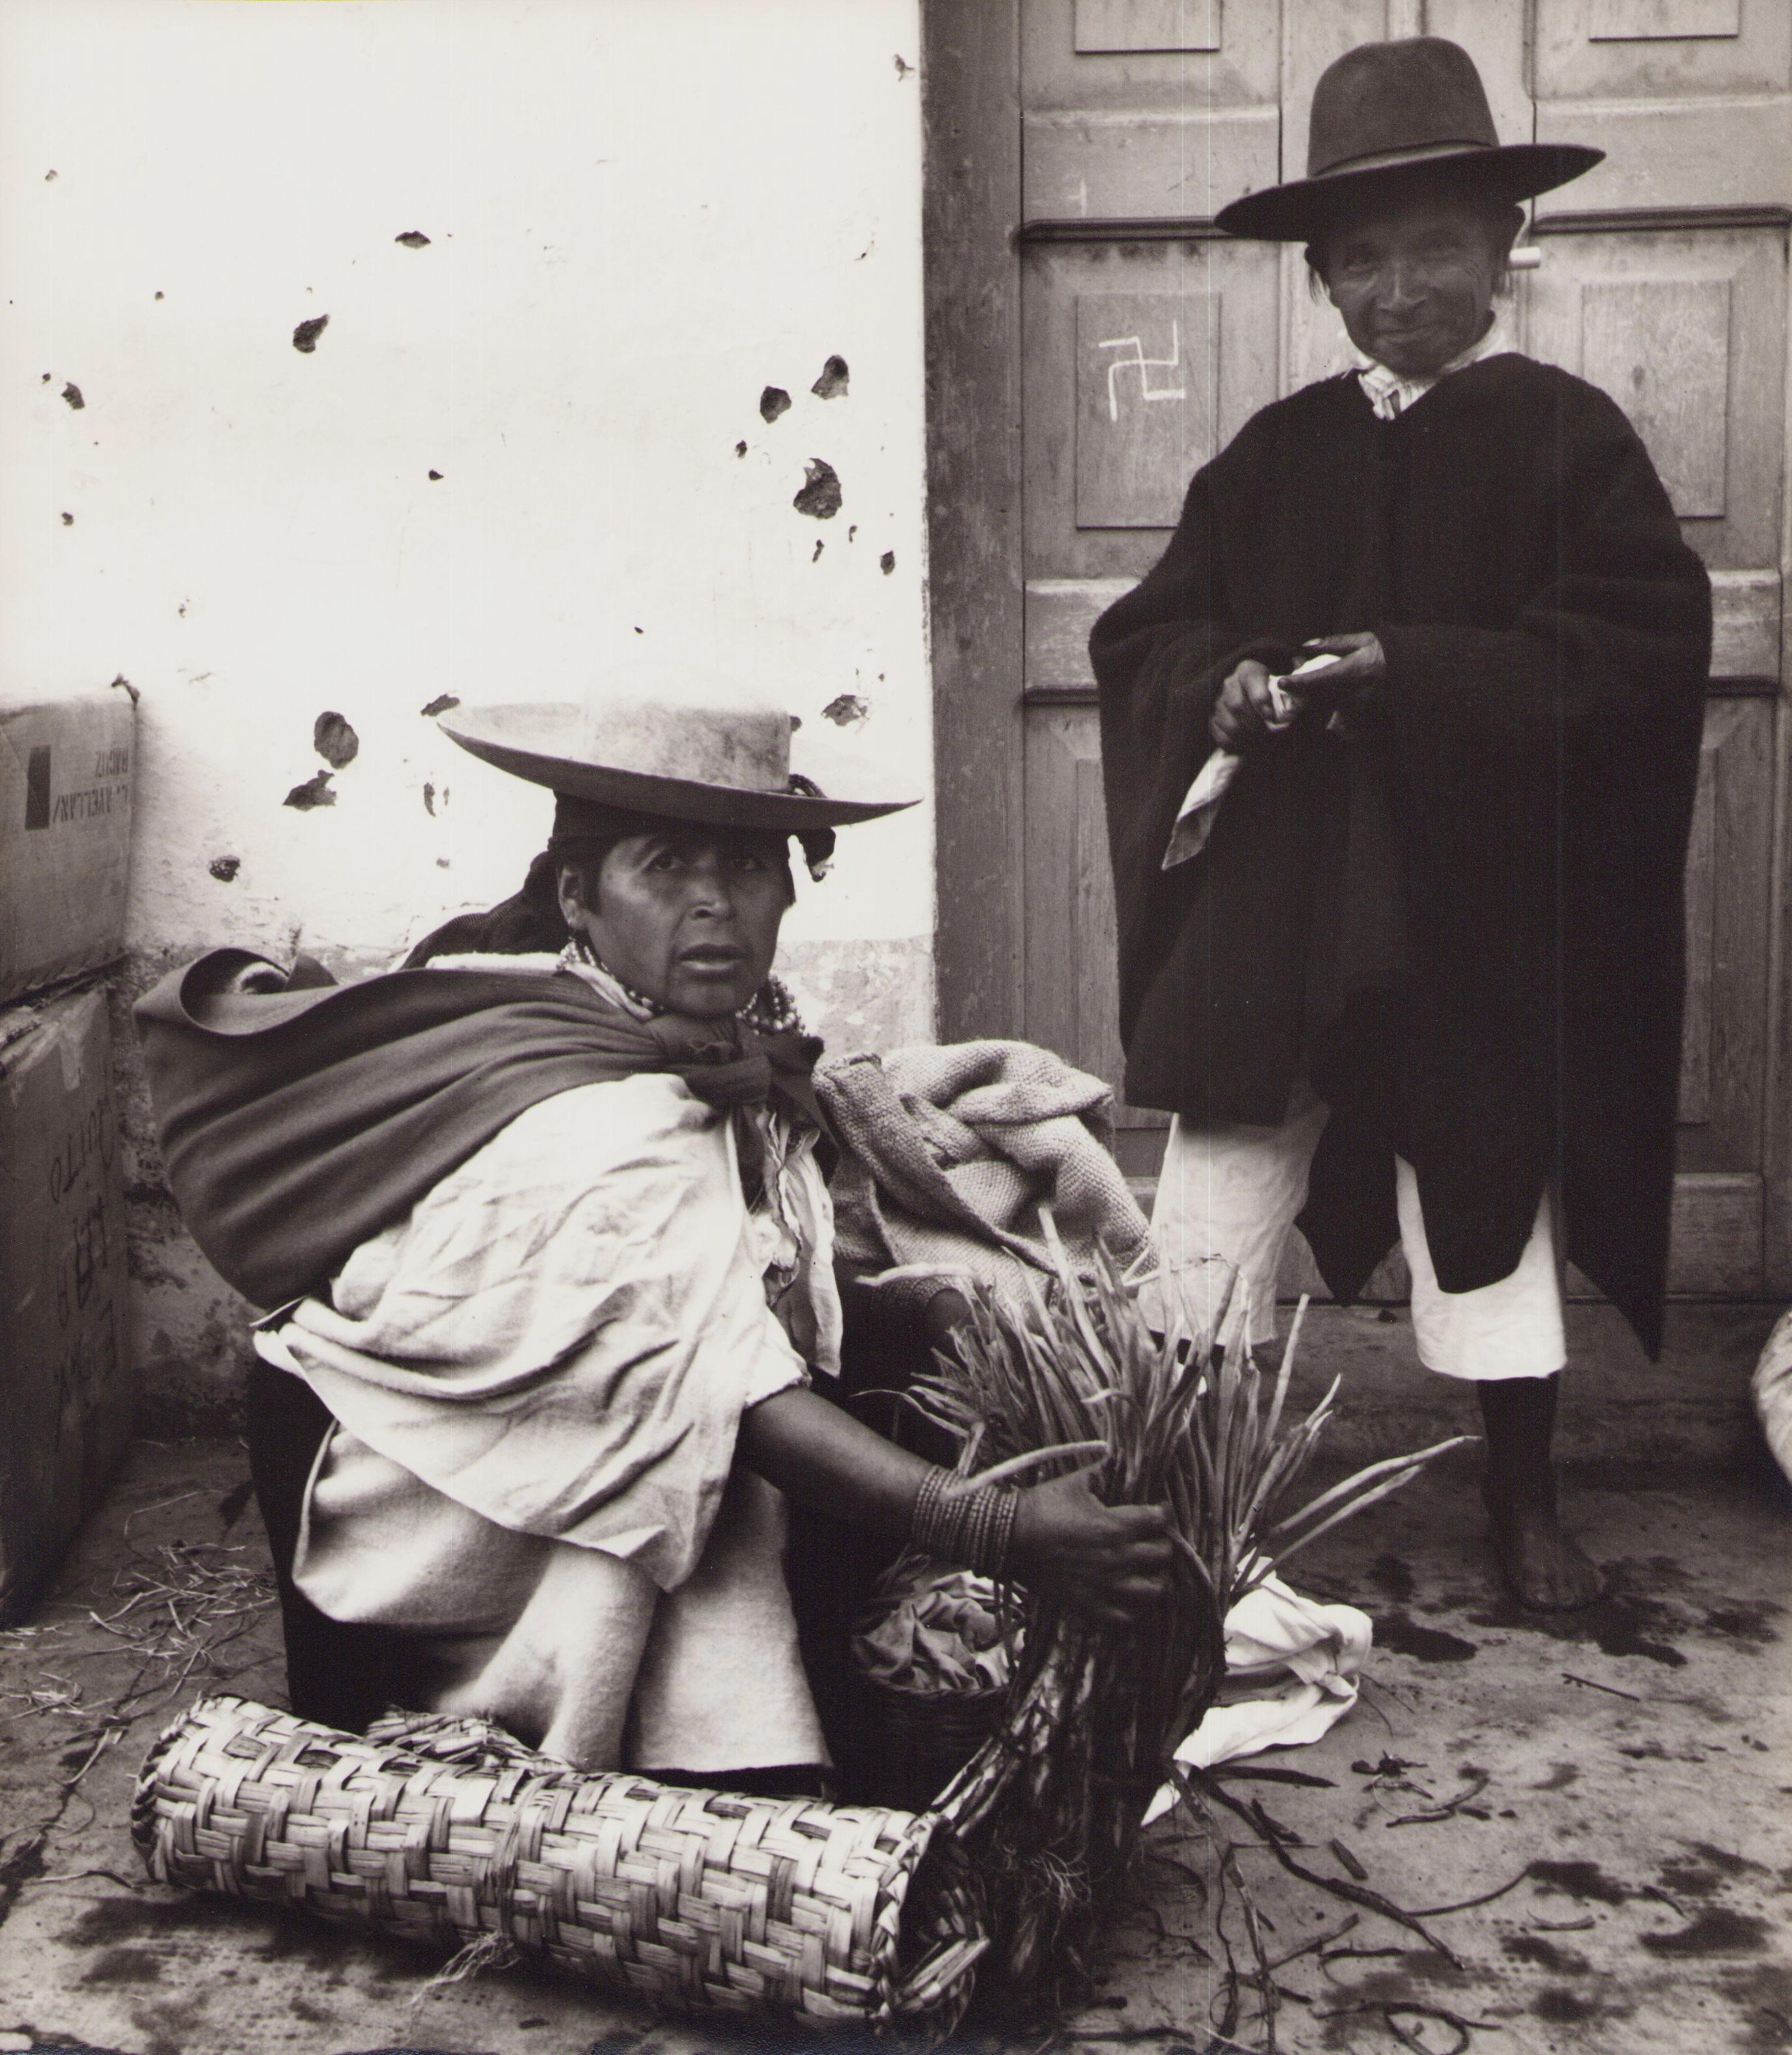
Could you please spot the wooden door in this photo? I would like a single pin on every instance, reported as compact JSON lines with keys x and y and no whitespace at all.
{"x":1093,"y":340}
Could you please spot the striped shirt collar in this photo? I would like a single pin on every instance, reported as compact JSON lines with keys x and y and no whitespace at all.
{"x":1391,"y":395}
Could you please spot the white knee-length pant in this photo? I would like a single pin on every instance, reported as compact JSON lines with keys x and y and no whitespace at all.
{"x":1234,"y":1192}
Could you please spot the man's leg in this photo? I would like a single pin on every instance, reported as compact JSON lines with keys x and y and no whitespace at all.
{"x":1507,"y":1339}
{"x":1228,"y":1196}
{"x":1544,"y":1565}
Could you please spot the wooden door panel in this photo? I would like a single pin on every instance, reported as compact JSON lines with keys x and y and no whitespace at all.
{"x":1686,"y":329}
{"x":1679,"y":386}
{"x":1060,"y":613}
{"x":1146,"y":109}
{"x":1147,"y":387}
{"x":1141,"y":361}
{"x":1662,"y":21}
{"x":1746,"y":614}
{"x":1083,"y":161}
{"x":1070,"y":900}
{"x":1107,"y":27}
{"x":1661,"y":49}
{"x":1227,"y":55}
{"x":1729,"y":869}
{"x":1675,"y":155}
{"x":1686,"y":97}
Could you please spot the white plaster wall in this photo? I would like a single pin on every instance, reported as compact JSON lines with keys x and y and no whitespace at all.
{"x":641,"y":213}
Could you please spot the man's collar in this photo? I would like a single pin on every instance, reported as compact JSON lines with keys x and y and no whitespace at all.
{"x":1389,"y":394}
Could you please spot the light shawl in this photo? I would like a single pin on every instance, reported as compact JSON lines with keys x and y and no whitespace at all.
{"x":538,"y":1377}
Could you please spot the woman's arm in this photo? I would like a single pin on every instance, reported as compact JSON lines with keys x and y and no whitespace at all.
{"x":1111,"y":1562}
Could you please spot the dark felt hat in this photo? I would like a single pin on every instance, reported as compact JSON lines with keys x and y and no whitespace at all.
{"x":1387,"y":115}
{"x":674,"y":742}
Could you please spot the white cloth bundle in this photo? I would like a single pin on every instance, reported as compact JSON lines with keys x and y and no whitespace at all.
{"x":1772,"y":1387}
{"x":1273,"y":1634}
{"x":1194,"y":820}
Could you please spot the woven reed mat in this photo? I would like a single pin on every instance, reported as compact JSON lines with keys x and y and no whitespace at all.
{"x":449,"y":1829}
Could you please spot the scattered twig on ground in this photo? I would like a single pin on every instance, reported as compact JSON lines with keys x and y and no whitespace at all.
{"x":1388,"y":2007}
{"x":1468,"y":1904}
{"x":1411,"y":2040}
{"x":1564,"y":1926}
{"x":1593,"y":1684}
{"x":1229,"y":1983}
{"x":1355,"y":1894}
{"x":107,"y":1737}
{"x":1267,"y":1774}
{"x":1478,"y":1782}
{"x":1348,"y":1925}
{"x":1128,"y":2034}
{"x":1662,"y":1897}
{"x":1376,"y":1684}
{"x":161,"y":1505}
{"x":78,"y":1876}
{"x":1145,"y":1909}
{"x":1192,"y":1876}
{"x":1264,"y":1978}
{"x":1347,"y":1862}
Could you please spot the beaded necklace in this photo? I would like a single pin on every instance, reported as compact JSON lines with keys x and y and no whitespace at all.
{"x":771,"y":1011}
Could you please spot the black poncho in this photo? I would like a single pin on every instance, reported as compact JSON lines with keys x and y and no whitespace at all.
{"x":1465,"y":918}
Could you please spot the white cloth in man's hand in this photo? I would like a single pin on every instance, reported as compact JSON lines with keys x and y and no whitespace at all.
{"x":1195,"y":818}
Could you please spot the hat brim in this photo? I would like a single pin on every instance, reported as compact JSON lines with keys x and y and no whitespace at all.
{"x":671,"y":798}
{"x":1296,"y":212}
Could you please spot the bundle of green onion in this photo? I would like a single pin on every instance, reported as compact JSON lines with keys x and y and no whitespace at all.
{"x":1077,"y":1378}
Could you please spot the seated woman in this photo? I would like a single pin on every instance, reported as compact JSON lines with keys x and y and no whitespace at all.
{"x":550,"y":1242}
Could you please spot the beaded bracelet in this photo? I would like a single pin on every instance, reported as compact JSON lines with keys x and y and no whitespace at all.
{"x":974,"y":1528}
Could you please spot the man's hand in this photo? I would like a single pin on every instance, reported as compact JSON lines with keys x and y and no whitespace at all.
{"x":1109,"y":1563}
{"x":1245,"y":710}
{"x":1336,"y":689}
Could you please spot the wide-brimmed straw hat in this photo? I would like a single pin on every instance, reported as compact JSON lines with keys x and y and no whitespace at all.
{"x":667,"y":740}
{"x":1387,"y":114}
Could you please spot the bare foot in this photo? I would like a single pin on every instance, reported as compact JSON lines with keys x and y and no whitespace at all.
{"x":1544,"y":1568}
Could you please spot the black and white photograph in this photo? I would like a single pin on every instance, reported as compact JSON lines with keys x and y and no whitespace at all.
{"x":895,"y":1027}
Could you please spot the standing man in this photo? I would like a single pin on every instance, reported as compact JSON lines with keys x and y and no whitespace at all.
{"x":1423,"y":982}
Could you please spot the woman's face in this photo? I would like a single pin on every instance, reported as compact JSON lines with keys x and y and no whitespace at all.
{"x":687,"y":916}
{"x":1414,"y":278}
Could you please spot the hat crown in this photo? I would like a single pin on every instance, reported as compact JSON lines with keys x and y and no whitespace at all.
{"x":1383,"y":101}
{"x":661,"y":722}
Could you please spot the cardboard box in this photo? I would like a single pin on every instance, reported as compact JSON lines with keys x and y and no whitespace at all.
{"x":67,"y":1390}
{"x":65,"y":775}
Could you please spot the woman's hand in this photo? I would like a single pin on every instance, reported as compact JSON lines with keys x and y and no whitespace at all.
{"x":1109,"y":1563}
{"x":1245,"y":710}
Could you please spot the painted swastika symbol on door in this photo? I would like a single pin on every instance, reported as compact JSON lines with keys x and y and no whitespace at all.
{"x":1145,"y":366}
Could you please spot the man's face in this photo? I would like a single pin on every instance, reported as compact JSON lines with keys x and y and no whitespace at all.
{"x":1414,"y":278}
{"x":689,"y":916}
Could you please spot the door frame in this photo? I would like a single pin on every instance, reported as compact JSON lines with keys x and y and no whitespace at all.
{"x":971,"y":194}
{"x":971,"y":60}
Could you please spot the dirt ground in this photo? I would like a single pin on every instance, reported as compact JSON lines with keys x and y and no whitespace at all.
{"x":1615,"y":1785}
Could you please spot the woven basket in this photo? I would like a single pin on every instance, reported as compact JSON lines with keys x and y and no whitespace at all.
{"x":920,"y":1741}
{"x":447,"y":1829}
